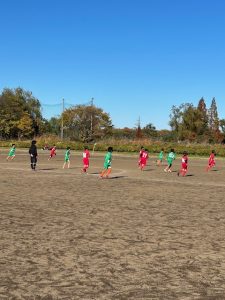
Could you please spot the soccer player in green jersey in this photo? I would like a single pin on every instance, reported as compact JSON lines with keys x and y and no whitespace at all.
{"x":67,"y":158}
{"x":170,"y":158}
{"x":160,"y":157}
{"x":107,"y":164}
{"x":11,"y":154}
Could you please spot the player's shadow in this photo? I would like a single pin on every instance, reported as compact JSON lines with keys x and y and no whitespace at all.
{"x":215,"y":170}
{"x":116,"y":177}
{"x":190,"y":175}
{"x":47,"y":169}
{"x":94,"y":173}
{"x":148,"y":170}
{"x":111,"y":177}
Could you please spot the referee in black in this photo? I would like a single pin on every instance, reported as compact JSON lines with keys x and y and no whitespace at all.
{"x":33,"y":155}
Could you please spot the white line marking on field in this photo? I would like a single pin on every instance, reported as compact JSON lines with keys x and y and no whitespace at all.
{"x":116,"y":173}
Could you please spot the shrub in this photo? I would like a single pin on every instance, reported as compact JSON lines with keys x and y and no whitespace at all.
{"x":122,"y":145}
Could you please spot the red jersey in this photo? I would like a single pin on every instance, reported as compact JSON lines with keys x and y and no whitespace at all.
{"x":86,"y":156}
{"x":143,"y":158}
{"x":140,"y":156}
{"x":53,"y":151}
{"x":212,"y":160}
{"x":184,"y":162}
{"x":141,"y":152}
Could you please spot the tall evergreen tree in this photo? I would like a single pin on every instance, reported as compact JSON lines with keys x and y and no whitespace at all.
{"x":139,"y":131}
{"x":203,"y":121}
{"x":213,"y":118}
{"x":214,"y":121}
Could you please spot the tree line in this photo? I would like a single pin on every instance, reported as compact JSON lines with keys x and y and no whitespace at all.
{"x":21,"y":118}
{"x":199,"y":124}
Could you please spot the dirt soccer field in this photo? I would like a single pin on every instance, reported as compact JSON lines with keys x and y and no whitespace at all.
{"x":138,"y":235}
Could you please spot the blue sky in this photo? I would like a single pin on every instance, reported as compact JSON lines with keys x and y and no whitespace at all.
{"x":136,"y":58}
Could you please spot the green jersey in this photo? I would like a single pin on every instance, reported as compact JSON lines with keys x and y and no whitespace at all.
{"x":161,"y":155}
{"x":108,"y":160}
{"x":170,"y":158}
{"x":12,"y":151}
{"x":67,"y":155}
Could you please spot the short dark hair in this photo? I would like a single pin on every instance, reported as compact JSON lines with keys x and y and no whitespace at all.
{"x":110,"y":149}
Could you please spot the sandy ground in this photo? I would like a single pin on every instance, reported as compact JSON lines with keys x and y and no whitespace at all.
{"x":138,"y":235}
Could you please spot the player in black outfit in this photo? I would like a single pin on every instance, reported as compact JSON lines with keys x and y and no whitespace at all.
{"x":33,"y":155}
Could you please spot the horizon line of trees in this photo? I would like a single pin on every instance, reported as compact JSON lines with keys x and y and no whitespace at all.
{"x":199,"y":124}
{"x":21,"y":118}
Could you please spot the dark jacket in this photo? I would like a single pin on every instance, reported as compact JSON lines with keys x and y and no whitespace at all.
{"x":33,"y":150}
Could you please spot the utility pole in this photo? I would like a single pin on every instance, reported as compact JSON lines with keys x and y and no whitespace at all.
{"x":62,"y":125}
{"x":138,"y":133}
{"x":139,"y":122}
{"x":92,"y":104}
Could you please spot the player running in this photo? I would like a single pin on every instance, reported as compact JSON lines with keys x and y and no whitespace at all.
{"x":170,"y":158}
{"x":12,"y":151}
{"x":211,"y":161}
{"x":184,"y":164}
{"x":140,"y":156}
{"x":143,"y":159}
{"x":67,"y":158}
{"x":52,"y":152}
{"x":107,"y":164}
{"x":160,"y":158}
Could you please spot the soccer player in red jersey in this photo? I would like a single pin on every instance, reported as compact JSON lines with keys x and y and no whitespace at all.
{"x":184,"y":164}
{"x":143,"y":159}
{"x":211,"y":162}
{"x":86,"y":156}
{"x":140,"y":156}
{"x":52,"y":152}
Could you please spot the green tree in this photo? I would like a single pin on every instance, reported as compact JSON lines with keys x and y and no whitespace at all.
{"x":14,"y":103}
{"x":213,"y":121}
{"x":149,"y":130}
{"x":25,"y":126}
{"x":222,"y":125}
{"x":86,"y":123}
{"x":176,"y":120}
{"x":124,"y":133}
{"x":186,"y":122}
{"x":51,"y":126}
{"x":192,"y":123}
{"x":213,"y":116}
{"x":203,"y":118}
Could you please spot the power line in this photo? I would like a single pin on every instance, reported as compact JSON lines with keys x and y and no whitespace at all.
{"x":63,"y":104}
{"x":67,"y":104}
{"x":51,"y":105}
